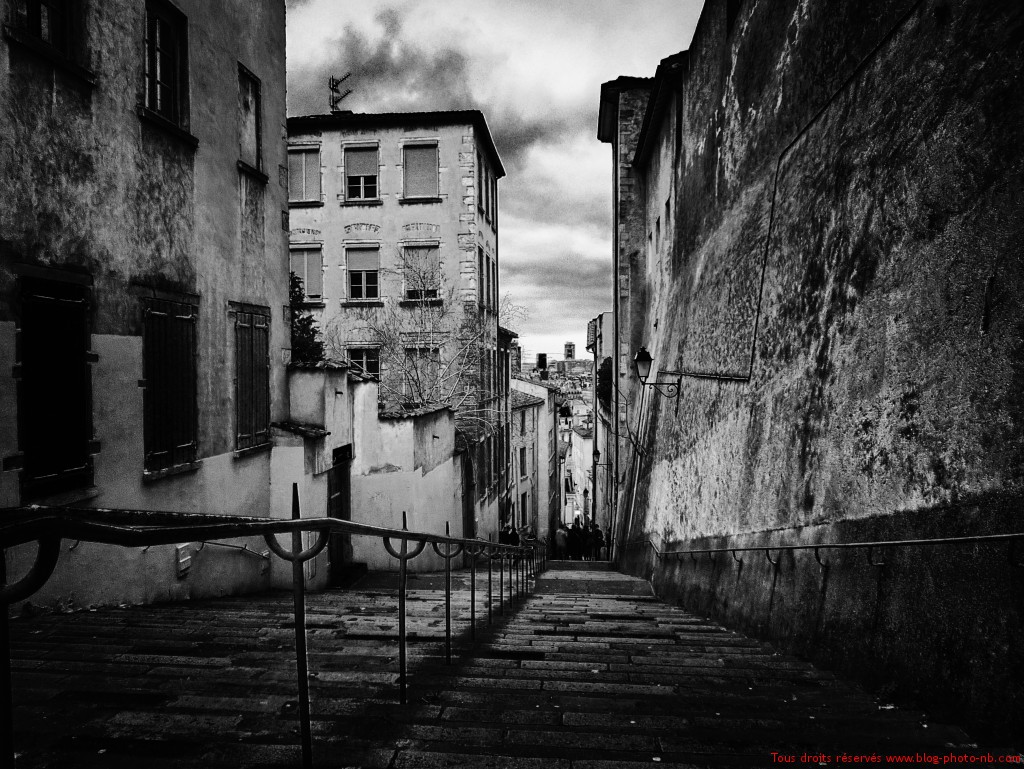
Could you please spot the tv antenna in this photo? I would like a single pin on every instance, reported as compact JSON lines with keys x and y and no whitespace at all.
{"x":336,"y":93}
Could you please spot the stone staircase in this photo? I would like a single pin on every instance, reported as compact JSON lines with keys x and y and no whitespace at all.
{"x":591,"y":671}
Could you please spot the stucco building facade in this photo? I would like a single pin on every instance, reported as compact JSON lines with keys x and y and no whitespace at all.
{"x":394,"y":232}
{"x":817,"y":223}
{"x":143,"y":272}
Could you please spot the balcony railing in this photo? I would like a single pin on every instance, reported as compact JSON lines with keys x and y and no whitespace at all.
{"x":48,"y":526}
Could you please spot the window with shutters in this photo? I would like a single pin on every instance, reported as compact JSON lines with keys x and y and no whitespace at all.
{"x":308,"y":263}
{"x":252,"y":377}
{"x":166,"y":62}
{"x":420,"y":164}
{"x":169,"y":368}
{"x":363,"y":273}
{"x":422,"y":272}
{"x":250,"y":120}
{"x":523,"y":469}
{"x":304,"y":175}
{"x":366,"y":358}
{"x":54,"y":387}
{"x":361,"y":167}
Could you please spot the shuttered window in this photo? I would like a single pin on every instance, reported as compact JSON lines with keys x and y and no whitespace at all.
{"x":422,"y":267}
{"x":55,"y":387}
{"x":420,"y":171}
{"x":252,"y":378}
{"x":363,"y":273}
{"x":308,"y":264}
{"x":361,"y":173}
{"x":304,"y":175}
{"x":169,"y":352}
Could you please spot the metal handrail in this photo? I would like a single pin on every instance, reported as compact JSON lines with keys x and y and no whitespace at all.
{"x":1011,"y":537}
{"x":132,"y":528}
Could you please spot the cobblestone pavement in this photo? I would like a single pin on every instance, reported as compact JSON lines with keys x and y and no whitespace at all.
{"x":590,"y":672}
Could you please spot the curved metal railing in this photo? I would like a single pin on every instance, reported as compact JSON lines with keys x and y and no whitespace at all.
{"x":48,"y":526}
{"x":1013,"y":538}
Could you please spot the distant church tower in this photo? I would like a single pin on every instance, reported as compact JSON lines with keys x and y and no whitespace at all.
{"x":570,"y":351}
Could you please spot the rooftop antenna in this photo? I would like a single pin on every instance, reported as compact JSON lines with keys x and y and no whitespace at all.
{"x":336,"y":94}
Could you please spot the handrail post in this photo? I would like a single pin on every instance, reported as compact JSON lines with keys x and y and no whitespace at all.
{"x":448,"y":554}
{"x":490,"y":571}
{"x":472,"y":594}
{"x":301,"y":664}
{"x":404,"y":556}
{"x":7,"y":703}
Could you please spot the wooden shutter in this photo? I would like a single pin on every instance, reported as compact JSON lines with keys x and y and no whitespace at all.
{"x":252,"y":379}
{"x":361,"y":161}
{"x":363,"y":258}
{"x":421,"y":171}
{"x":169,"y":352}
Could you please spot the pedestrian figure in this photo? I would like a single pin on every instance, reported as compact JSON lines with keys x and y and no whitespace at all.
{"x":598,"y":537}
{"x":588,"y":544}
{"x":576,"y":542}
{"x":561,"y":541}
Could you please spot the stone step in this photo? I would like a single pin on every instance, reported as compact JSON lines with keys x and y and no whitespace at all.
{"x":590,"y":671}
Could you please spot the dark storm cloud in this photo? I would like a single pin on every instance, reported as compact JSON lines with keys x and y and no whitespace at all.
{"x":396,"y":74}
{"x":571,"y":273}
{"x":550,"y":204}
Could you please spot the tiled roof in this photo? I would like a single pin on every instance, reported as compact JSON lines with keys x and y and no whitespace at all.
{"x":521,"y":400}
{"x":398,"y":411}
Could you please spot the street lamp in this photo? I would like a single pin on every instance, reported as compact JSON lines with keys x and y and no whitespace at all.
{"x":642,"y":362}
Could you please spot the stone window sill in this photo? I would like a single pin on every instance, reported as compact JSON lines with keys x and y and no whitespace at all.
{"x":146,"y":115}
{"x":149,"y":476}
{"x":259,"y":449}
{"x":305,"y":204}
{"x":417,"y":201}
{"x":368,"y":202}
{"x":253,"y":172}
{"x":362,"y":303}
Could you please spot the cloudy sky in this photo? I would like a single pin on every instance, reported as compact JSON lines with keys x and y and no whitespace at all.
{"x":534,"y":68}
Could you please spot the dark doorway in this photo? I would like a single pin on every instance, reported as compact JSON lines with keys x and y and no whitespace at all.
{"x":55,"y":387}
{"x":339,"y":505}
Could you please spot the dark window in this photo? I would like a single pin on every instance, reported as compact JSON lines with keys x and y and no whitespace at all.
{"x":422,"y":268}
{"x":169,"y":353}
{"x":522,"y":462}
{"x":308,"y":264}
{"x":54,"y":392}
{"x":361,"y":173}
{"x":304,"y":174}
{"x":420,"y":171}
{"x":252,"y":378}
{"x":49,"y":21}
{"x":480,"y":283}
{"x":250,"y":120}
{"x":367,"y":358}
{"x":363,"y":273}
{"x":166,"y":63}
{"x":422,"y":369}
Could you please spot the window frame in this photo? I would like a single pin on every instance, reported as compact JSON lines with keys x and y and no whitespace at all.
{"x":362,"y":198}
{"x":406,"y":291}
{"x":350,"y":273}
{"x":358,"y":355}
{"x":304,"y":248}
{"x":422,"y":144}
{"x":244,"y":73}
{"x":178,"y":114}
{"x":303,"y":150}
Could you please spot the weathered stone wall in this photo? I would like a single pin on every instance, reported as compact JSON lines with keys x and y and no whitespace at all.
{"x":846,"y":279}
